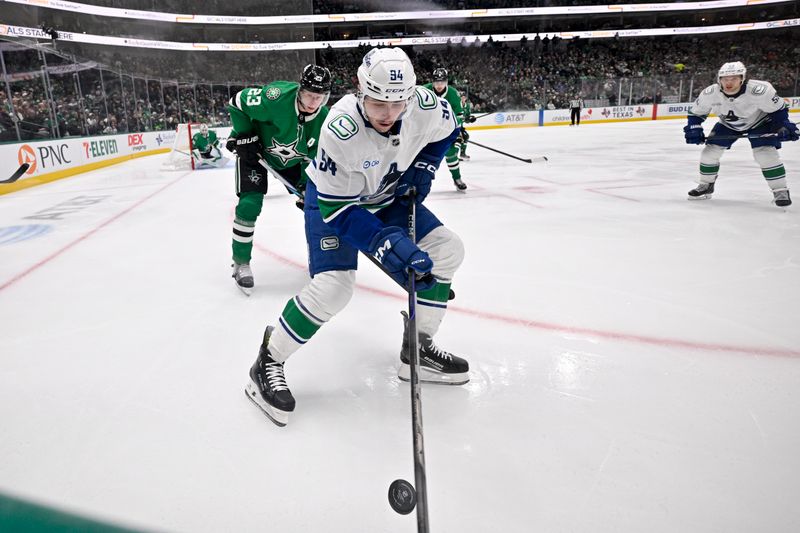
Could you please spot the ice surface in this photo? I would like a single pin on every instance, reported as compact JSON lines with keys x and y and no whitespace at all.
{"x":635,"y":356}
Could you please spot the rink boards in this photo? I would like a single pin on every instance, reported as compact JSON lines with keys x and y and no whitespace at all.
{"x":55,"y":159}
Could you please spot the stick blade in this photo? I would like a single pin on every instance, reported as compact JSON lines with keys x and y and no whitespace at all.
{"x":18,"y":174}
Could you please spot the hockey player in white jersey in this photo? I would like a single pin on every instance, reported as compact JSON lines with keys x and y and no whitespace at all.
{"x":373,"y":147}
{"x":745,"y":108}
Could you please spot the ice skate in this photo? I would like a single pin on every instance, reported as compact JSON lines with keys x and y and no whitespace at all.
{"x":702,"y":192}
{"x":782,"y":198}
{"x":464,"y":157}
{"x":243,"y":277}
{"x":267,"y":387}
{"x":460,"y":185}
{"x":436,"y":365}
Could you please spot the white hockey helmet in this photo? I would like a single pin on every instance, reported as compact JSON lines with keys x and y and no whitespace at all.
{"x":735,"y":68}
{"x":386,"y":74}
{"x":204,"y":129}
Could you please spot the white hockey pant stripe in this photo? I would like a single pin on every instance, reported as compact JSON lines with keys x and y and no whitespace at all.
{"x":710,"y":156}
{"x":323,"y":297}
{"x":447,"y":253}
{"x":768,"y":158}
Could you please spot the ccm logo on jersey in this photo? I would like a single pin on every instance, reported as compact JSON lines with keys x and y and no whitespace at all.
{"x":424,"y":165}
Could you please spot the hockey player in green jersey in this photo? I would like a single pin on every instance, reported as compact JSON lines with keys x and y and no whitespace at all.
{"x":205,"y":149}
{"x":468,"y":117}
{"x":277,"y":125}
{"x":443,"y":90}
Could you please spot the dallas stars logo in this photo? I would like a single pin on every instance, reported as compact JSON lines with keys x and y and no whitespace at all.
{"x":285,"y":152}
{"x":272,"y":93}
{"x":255,"y":177}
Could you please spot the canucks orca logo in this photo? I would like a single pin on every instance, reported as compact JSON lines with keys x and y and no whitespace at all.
{"x":731,"y":116}
{"x":387,"y":184}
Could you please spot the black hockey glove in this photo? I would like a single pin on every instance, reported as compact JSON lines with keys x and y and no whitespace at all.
{"x":472,"y":118}
{"x":248,"y":147}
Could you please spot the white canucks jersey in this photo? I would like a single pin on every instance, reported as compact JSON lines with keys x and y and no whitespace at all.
{"x":356,"y":165}
{"x":742,"y":112}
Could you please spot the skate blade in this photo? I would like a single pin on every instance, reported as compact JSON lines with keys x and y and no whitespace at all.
{"x":433,"y":377}
{"x":278,"y":417}
{"x":246,"y":290}
{"x":701,"y":197}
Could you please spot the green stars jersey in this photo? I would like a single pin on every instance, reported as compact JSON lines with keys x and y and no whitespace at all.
{"x":453,"y":98}
{"x":467,"y":110}
{"x":203,"y":143}
{"x":288,"y":138}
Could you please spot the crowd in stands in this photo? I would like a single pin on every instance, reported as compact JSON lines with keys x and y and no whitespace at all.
{"x":538,"y":73}
{"x":304,"y":7}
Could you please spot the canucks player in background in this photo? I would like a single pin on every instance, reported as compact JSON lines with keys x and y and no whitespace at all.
{"x":443,"y":90}
{"x":278,"y":123}
{"x":744,"y":107}
{"x":374,"y":145}
{"x":205,"y":148}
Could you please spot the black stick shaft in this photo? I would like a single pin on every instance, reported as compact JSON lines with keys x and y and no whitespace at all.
{"x":420,"y":481}
{"x":17,"y":174}
{"x":743,"y":136}
{"x":506,"y":154}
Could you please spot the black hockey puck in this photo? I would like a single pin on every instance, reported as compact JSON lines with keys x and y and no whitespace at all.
{"x":402,"y":496}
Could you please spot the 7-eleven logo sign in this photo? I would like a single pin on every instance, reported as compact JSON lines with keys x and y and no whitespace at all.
{"x":25,"y":154}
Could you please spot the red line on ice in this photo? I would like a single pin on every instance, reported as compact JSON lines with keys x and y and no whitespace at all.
{"x":546,"y":326}
{"x":87,"y":235}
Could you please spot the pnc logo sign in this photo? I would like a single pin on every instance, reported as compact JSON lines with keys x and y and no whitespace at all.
{"x":25,"y":154}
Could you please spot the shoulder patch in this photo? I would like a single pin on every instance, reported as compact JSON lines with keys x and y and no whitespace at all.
{"x":709,"y":89}
{"x":343,"y":126}
{"x":272,"y":93}
{"x":758,"y":89}
{"x":426,"y":98}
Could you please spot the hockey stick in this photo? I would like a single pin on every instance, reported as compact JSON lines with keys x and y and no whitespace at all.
{"x":420,"y":480}
{"x":482,"y":115}
{"x":537,"y":159}
{"x":17,"y":174}
{"x":277,"y":176}
{"x":742,"y":136}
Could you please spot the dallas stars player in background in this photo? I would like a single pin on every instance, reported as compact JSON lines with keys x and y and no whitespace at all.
{"x":466,"y":106}
{"x":443,"y":90}
{"x":280,"y":124}
{"x":205,"y":148}
{"x":374,"y":146}
{"x":744,"y":107}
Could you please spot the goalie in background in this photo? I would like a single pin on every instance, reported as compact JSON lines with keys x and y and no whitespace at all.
{"x":205,"y":149}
